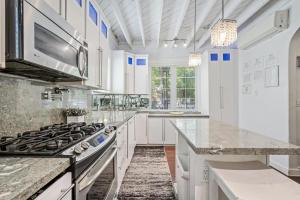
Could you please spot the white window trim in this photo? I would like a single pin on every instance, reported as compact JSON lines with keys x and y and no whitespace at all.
{"x":173,"y":94}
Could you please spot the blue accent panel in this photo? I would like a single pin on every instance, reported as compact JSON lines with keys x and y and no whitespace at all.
{"x":130,"y":60}
{"x":141,"y":61}
{"x":213,"y":57}
{"x":104,"y":29}
{"x":226,"y":56}
{"x":79,"y":2}
{"x":93,"y":13}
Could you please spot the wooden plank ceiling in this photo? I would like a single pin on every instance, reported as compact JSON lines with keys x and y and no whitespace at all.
{"x":139,"y":23}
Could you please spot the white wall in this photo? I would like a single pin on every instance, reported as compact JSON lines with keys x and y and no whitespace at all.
{"x":266,"y":110}
{"x":165,"y":56}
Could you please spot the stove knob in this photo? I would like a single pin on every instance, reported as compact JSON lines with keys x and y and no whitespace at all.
{"x":85,"y":145}
{"x":107,"y":130}
{"x":77,"y":149}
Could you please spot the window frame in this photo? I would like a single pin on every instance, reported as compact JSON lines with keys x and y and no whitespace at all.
{"x":173,"y":88}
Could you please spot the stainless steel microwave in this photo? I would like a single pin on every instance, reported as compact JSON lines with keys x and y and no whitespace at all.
{"x":40,"y":44}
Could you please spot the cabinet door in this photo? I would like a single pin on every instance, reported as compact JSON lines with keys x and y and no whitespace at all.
{"x":131,"y":138}
{"x":229,"y":89}
{"x":58,"y":188}
{"x":75,"y":14}
{"x":55,"y":4}
{"x":169,"y":133}
{"x":214,"y":90}
{"x":106,"y":56}
{"x":2,"y":34}
{"x":130,"y":74}
{"x":141,"y":128}
{"x":155,"y":130}
{"x":141,"y":74}
{"x":93,"y":39}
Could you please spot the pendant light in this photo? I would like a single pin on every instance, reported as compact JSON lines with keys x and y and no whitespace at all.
{"x":194,"y":58}
{"x":224,"y":32}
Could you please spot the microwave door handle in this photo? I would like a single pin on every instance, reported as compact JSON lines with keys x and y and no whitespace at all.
{"x":93,"y":179}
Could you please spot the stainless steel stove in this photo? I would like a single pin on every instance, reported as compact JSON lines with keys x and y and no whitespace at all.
{"x":91,"y":148}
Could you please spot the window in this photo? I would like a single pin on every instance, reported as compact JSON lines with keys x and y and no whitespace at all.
{"x":185,"y":86}
{"x":140,"y":61}
{"x":161,"y":90}
{"x":93,"y":13}
{"x":173,"y":88}
{"x":104,"y":29}
{"x":79,"y":2}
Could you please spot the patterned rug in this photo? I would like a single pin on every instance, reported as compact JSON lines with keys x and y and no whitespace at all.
{"x":147,"y":177}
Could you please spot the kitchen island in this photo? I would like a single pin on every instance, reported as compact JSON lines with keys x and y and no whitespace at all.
{"x":201,"y":139}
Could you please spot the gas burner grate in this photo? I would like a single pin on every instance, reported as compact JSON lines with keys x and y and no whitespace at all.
{"x":49,"y":140}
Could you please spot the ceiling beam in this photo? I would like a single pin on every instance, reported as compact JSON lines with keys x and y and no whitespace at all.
{"x":209,"y":6}
{"x":159,"y":10}
{"x":120,"y":19}
{"x":249,"y":12}
{"x":184,"y":5}
{"x":140,"y":20}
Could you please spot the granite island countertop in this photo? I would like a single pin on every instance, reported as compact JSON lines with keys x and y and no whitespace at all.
{"x":20,"y":178}
{"x":206,"y":136}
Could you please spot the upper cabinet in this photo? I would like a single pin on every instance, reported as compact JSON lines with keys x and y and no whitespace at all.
{"x":75,"y":14}
{"x":141,"y":74}
{"x":58,"y":6}
{"x":2,"y":34}
{"x":129,"y":73}
{"x":106,"y":57}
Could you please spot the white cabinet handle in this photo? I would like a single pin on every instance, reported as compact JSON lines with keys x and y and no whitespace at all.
{"x":221,"y":97}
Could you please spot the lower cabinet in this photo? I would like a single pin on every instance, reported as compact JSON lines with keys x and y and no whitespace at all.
{"x":60,"y":189}
{"x":122,"y":152}
{"x":161,"y":131}
{"x":126,"y":143}
{"x":141,"y":128}
{"x":155,"y":130}
{"x":131,"y":139}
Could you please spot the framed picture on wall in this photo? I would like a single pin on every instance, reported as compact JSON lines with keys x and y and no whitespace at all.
{"x":272,"y":76}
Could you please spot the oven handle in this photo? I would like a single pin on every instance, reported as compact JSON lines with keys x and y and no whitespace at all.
{"x":65,"y":192}
{"x":81,"y":187}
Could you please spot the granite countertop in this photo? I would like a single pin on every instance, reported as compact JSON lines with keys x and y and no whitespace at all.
{"x":20,"y":178}
{"x":206,"y":136}
{"x":116,"y":118}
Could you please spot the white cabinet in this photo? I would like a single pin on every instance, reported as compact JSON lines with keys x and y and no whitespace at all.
{"x":58,"y":6}
{"x":122,"y":152}
{"x":220,"y":67}
{"x":93,"y":39}
{"x":130,"y":77}
{"x":118,"y":71}
{"x":131,"y":138}
{"x":75,"y":14}
{"x":2,"y":34}
{"x":105,"y":73}
{"x":130,"y":73}
{"x":161,"y":131}
{"x":141,"y":81}
{"x":141,"y":128}
{"x":155,"y":130}
{"x":62,"y":188}
{"x":169,"y":132}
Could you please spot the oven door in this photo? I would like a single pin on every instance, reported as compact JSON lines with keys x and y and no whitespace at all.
{"x":100,"y":180}
{"x":48,"y":45}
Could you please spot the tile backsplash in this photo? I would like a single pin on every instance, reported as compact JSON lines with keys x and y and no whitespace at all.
{"x":22,"y":109}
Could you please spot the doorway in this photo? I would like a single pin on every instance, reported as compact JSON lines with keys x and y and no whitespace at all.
{"x":294,"y":101}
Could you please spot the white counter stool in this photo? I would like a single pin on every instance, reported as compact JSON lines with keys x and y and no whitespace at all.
{"x":249,"y":181}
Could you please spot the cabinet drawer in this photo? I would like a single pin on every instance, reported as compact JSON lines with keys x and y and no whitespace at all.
{"x":60,"y":187}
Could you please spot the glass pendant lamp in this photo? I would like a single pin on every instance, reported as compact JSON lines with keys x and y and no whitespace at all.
{"x":224,"y":32}
{"x":194,"y":58}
